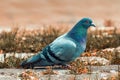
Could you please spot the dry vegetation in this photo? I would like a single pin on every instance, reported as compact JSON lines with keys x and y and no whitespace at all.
{"x":26,"y":41}
{"x":33,"y":41}
{"x":19,"y":41}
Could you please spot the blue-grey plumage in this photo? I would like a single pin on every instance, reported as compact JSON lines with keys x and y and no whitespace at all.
{"x":64,"y":49}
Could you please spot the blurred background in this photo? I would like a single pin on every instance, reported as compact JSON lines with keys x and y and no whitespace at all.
{"x":42,"y":12}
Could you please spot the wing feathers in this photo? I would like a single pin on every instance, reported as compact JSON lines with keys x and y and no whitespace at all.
{"x":53,"y":55}
{"x":56,"y":53}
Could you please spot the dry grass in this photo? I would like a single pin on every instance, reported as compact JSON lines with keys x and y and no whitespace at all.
{"x":33,"y":41}
{"x":11,"y":62}
{"x":109,"y":23}
{"x":26,"y":41}
{"x":28,"y":75}
{"x":102,"y":41}
{"x":78,"y":67}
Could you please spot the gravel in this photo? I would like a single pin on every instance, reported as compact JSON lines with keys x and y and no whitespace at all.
{"x":97,"y":72}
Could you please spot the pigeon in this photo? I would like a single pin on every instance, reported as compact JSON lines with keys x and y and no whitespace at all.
{"x":63,"y":49}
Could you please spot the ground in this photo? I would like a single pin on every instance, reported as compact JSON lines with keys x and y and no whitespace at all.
{"x":98,"y":73}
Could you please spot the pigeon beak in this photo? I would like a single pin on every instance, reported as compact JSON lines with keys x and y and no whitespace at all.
{"x":93,"y":25}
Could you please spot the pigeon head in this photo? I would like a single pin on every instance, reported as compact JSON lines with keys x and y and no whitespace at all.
{"x":86,"y":22}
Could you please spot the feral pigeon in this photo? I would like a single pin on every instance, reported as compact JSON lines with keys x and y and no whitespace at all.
{"x":63,"y":49}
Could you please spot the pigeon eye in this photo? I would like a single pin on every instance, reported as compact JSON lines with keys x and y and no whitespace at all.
{"x":87,"y":22}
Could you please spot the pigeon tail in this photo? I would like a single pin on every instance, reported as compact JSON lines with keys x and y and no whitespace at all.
{"x":29,"y":63}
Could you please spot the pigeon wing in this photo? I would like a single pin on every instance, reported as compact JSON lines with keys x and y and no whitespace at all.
{"x":62,"y":50}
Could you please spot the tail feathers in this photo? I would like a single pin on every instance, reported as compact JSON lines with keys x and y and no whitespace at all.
{"x":41,"y":59}
{"x":29,"y":63}
{"x":26,"y":65}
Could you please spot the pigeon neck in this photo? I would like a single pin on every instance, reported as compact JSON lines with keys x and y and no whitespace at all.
{"x":78,"y":33}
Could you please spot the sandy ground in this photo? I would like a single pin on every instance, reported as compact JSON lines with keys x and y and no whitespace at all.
{"x":98,"y":72}
{"x":36,"y":12}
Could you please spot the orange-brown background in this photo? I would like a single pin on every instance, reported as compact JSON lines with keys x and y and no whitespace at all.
{"x":56,"y":11}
